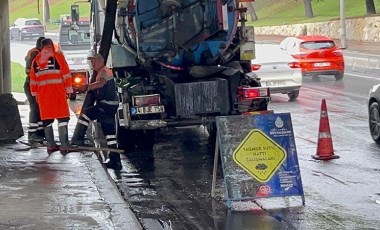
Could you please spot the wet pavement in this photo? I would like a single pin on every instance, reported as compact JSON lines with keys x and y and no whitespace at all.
{"x":58,"y":192}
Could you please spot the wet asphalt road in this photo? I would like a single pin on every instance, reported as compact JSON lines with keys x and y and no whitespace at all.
{"x":172,"y":185}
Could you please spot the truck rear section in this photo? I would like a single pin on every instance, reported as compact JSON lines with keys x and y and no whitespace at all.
{"x":74,"y":42}
{"x":153,"y":101}
{"x":178,"y":63}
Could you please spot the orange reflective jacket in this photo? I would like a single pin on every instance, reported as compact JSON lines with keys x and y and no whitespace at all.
{"x":50,"y":81}
{"x":57,"y":47}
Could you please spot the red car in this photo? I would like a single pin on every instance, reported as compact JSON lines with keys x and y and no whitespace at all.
{"x":318,"y":55}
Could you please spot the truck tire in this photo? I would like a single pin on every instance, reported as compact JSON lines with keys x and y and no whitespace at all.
{"x":136,"y":140}
{"x":145,"y":139}
{"x":211,"y":129}
{"x":126,"y":139}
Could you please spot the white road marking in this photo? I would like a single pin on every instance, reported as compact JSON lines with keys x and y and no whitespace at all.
{"x":359,"y":53}
{"x":362,"y":76}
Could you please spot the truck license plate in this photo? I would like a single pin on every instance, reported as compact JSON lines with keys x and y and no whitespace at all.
{"x":274,"y":83}
{"x":148,"y":109}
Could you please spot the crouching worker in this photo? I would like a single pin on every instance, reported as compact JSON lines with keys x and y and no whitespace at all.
{"x":50,"y":82}
{"x":103,"y":110}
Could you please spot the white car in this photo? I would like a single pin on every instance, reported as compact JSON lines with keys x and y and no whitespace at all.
{"x":277,"y":70}
{"x":26,"y":28}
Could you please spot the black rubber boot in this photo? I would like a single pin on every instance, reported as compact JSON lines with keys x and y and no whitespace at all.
{"x":65,"y":147}
{"x":40,"y":130}
{"x":114,"y":161}
{"x":78,"y":136}
{"x":34,"y":137}
{"x":49,"y":135}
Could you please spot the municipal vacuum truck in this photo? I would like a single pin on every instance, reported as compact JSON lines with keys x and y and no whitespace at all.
{"x":177,"y":63}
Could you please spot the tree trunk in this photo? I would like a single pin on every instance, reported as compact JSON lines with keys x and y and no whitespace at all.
{"x":251,"y":11}
{"x":308,"y":9}
{"x":370,"y":7}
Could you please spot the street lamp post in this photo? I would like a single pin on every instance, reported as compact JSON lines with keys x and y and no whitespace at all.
{"x":43,"y":13}
{"x":342,"y":29}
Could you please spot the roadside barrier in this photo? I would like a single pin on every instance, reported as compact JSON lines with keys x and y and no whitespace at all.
{"x":259,"y":159}
{"x":10,"y":125}
{"x":325,"y":150}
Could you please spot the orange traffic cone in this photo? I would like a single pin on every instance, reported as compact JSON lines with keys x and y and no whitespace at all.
{"x":325,"y":149}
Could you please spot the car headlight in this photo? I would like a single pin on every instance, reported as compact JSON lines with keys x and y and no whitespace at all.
{"x":374,"y":88}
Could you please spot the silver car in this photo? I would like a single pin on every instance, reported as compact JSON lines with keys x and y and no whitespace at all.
{"x":277,"y":70}
{"x":26,"y":28}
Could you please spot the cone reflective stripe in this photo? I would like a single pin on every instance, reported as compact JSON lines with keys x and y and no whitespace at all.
{"x":325,"y":150}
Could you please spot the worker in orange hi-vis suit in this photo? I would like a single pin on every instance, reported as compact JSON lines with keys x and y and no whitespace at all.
{"x":50,"y":82}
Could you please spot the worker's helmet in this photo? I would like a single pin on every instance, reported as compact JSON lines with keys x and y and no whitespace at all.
{"x":93,"y":55}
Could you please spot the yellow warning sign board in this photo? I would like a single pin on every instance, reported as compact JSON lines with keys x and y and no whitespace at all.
{"x":259,"y":155}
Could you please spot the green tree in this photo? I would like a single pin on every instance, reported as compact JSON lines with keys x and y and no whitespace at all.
{"x":370,"y":7}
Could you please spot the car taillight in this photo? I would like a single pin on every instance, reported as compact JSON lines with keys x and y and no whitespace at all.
{"x":300,"y":55}
{"x":250,"y":93}
{"x":255,"y":67}
{"x":338,"y":53}
{"x":305,"y":65}
{"x":79,"y":78}
{"x":145,"y":100}
{"x":294,"y":65}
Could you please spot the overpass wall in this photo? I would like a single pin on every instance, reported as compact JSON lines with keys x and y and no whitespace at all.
{"x":360,"y":29}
